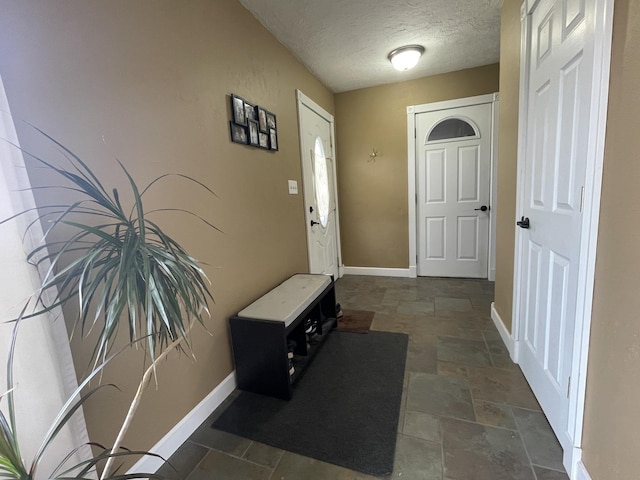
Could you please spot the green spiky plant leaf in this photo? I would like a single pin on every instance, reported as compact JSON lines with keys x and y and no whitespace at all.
{"x":124,"y":273}
{"x":118,"y":265}
{"x":13,"y":466}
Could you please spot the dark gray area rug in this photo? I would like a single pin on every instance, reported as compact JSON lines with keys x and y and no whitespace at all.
{"x":344,"y":409}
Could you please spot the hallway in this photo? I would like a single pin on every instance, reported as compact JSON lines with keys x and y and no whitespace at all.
{"x":467,"y":412}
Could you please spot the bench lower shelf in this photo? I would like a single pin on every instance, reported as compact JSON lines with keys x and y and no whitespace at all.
{"x":261,"y":347}
{"x":301,"y":362}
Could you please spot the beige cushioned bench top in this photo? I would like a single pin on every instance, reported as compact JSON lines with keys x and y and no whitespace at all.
{"x":288,"y":300}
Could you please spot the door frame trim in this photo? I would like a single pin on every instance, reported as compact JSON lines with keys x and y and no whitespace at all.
{"x":588,"y":248}
{"x":412,"y":196}
{"x":302,"y":99}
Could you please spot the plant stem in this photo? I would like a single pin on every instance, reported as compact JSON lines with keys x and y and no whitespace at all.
{"x":142,"y":386}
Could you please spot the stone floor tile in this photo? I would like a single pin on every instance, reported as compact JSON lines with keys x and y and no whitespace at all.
{"x":440,"y":395}
{"x":451,"y":327}
{"x":403,"y":401}
{"x":415,"y":308}
{"x":422,"y":425}
{"x":473,"y":319}
{"x":542,"y":445}
{"x":481,"y":301}
{"x":494,"y":414}
{"x":465,"y":285}
{"x":417,"y":459}
{"x":504,"y":361}
{"x":221,"y":466}
{"x":393,"y":322}
{"x":494,"y":343}
{"x":364,"y":476}
{"x":223,"y":441}
{"x":183,"y":461}
{"x":452,"y":304}
{"x":479,"y":452}
{"x":296,"y":467}
{"x":422,"y":354}
{"x":501,"y":386}
{"x":546,"y":474}
{"x":452,"y":369}
{"x":263,"y":454}
{"x":401,"y":294}
{"x":463,"y":351}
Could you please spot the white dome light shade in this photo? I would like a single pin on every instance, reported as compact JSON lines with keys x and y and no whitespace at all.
{"x":405,"y":58}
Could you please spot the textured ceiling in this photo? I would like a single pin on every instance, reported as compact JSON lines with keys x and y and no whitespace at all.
{"x":345,"y":43}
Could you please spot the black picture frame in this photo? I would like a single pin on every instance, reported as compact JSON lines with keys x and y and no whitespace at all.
{"x":253,"y":132}
{"x":250,"y":111}
{"x":238,"y":110}
{"x":238,"y":133}
{"x":263,"y":140}
{"x":262,"y":119}
{"x":273,"y":139}
{"x":271,"y":121}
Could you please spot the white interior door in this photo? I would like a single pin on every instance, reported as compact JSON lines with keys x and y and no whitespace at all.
{"x":559,"y":78}
{"x":453,"y":149}
{"x":319,"y":185}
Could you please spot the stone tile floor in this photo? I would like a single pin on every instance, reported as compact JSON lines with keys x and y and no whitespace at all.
{"x":467,"y":411}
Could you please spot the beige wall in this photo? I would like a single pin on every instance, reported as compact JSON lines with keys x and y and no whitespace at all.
{"x":507,"y":157}
{"x":373,"y":194}
{"x":611,"y":433}
{"x":148,"y":83}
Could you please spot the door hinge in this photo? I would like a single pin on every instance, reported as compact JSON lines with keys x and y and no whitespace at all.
{"x":581,"y":199}
{"x":415,"y":133}
{"x":568,"y":387}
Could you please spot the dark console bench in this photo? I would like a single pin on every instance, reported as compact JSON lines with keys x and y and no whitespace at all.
{"x":276,"y":336}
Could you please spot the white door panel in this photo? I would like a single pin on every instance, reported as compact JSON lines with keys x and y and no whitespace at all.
{"x":557,"y":125}
{"x":318,"y":169}
{"x":453,"y":183}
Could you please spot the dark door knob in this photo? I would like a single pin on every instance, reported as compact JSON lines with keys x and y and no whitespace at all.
{"x":314,"y":223}
{"x":483,"y":208}
{"x":523,"y":222}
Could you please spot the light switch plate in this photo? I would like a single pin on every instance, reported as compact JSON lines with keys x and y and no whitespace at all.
{"x":293,"y":187}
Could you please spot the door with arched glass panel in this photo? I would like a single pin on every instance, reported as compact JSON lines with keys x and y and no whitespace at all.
{"x":453,"y":149}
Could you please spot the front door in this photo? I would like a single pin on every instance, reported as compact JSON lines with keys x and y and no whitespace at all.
{"x":453,"y":149}
{"x":560,"y":67}
{"x":319,"y":182}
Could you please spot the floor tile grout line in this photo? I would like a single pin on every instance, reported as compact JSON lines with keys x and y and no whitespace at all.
{"x":273,"y":471}
{"x":199,"y":462}
{"x":549,"y":468}
{"x":251,"y":442}
{"x":524,"y":445}
{"x":229,"y":454}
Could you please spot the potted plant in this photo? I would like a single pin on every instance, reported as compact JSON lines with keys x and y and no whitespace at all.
{"x":123,"y":272}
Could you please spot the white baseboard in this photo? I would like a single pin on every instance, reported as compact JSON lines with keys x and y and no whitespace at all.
{"x":185,"y":427}
{"x":502,"y":330}
{"x":492,"y":275}
{"x":379,"y":272}
{"x":581,"y":472}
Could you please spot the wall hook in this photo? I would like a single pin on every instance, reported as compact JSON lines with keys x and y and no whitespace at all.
{"x":373,"y":155}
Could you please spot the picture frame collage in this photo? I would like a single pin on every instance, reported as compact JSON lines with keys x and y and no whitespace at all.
{"x":252,"y":125}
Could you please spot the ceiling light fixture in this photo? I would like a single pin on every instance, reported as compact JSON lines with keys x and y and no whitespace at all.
{"x":407,"y":57}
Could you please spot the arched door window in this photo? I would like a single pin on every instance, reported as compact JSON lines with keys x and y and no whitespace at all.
{"x":452,"y":128}
{"x":321,"y":182}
